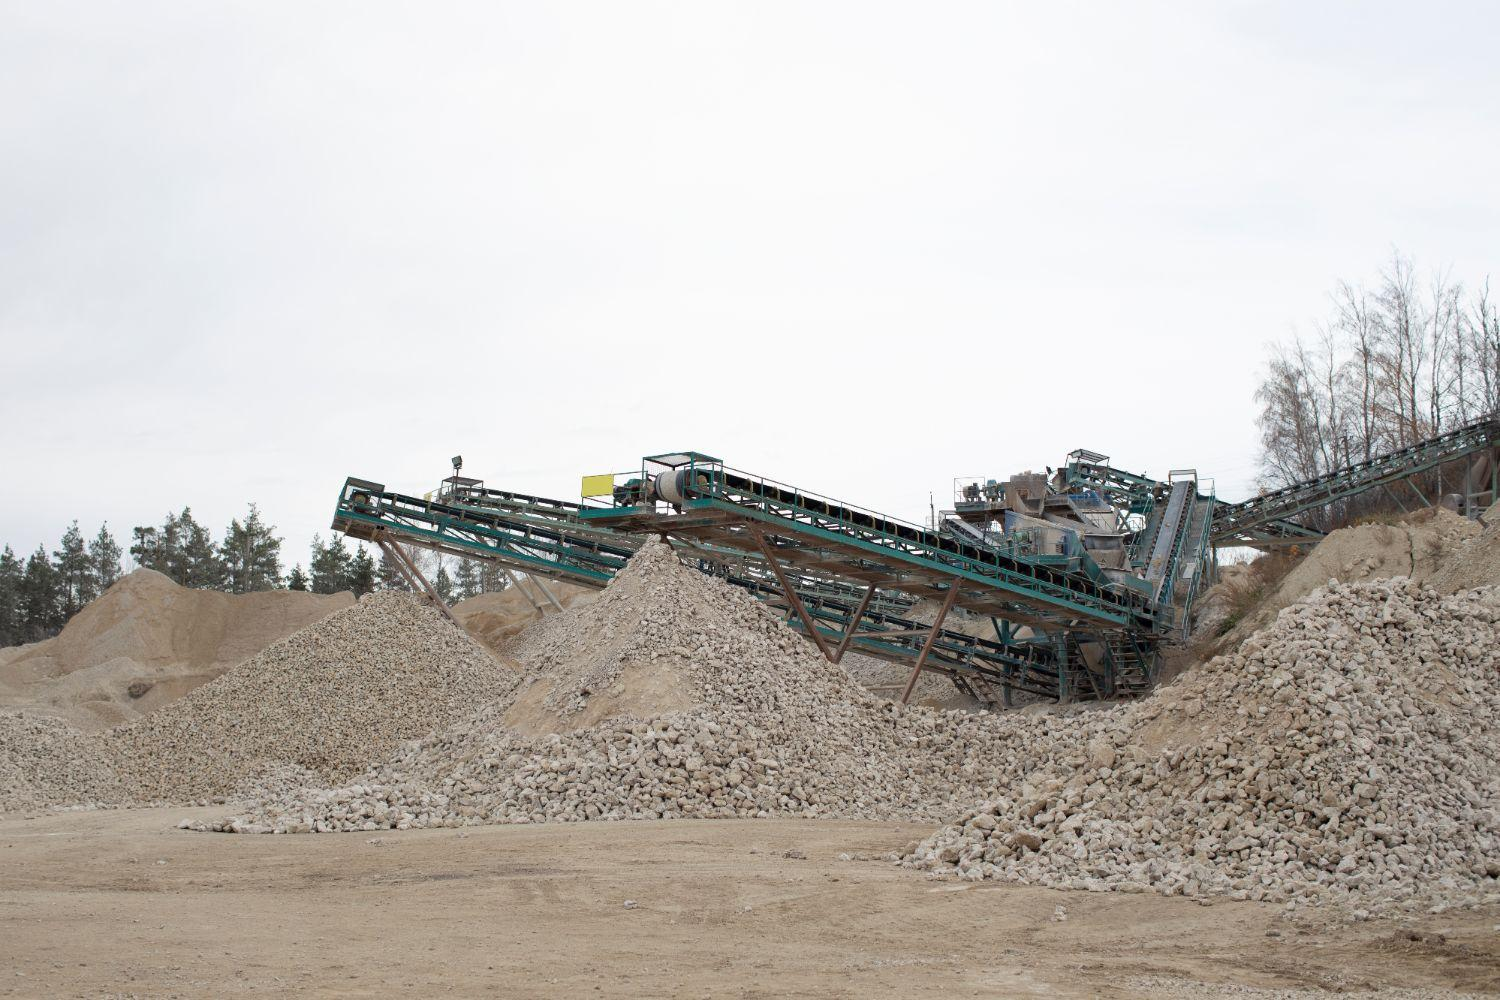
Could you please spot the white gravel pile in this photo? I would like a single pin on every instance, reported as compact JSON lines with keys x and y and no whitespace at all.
{"x":44,"y":761}
{"x":321,"y":705}
{"x":769,"y":727}
{"x":1346,"y":754}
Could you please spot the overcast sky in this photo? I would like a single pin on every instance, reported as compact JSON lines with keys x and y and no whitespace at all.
{"x":249,"y":249}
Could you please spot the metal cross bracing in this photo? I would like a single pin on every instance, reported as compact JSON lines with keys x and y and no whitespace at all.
{"x":534,"y":545}
{"x":1268,"y":520}
{"x":544,"y":538}
{"x":1242,"y":523}
{"x":563,"y":515}
{"x":817,"y":534}
{"x":1048,"y":595}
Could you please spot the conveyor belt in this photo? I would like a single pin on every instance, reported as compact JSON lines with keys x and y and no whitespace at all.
{"x":542,"y":537}
{"x":1239,"y":523}
{"x":811,"y":531}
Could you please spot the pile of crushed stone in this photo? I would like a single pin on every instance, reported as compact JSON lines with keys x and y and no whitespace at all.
{"x":1419,"y":546}
{"x":672,"y":695}
{"x":145,"y":642}
{"x":44,"y":761}
{"x":318,"y":706}
{"x":1348,"y":754}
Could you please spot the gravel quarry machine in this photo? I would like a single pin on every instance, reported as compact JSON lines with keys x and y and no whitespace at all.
{"x":1062,"y":587}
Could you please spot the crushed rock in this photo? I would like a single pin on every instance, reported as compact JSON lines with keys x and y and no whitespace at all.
{"x":44,"y":761}
{"x":758,"y":724}
{"x":1348,"y":754}
{"x":326,"y":700}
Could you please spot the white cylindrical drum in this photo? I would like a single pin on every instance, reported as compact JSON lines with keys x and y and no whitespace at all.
{"x":671,"y":485}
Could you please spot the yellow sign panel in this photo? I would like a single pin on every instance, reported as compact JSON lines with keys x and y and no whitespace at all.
{"x":598,"y":486}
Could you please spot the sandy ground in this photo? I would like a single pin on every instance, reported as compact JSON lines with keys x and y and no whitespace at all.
{"x":121,"y":903}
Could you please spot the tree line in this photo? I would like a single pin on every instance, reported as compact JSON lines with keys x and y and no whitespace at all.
{"x":38,"y":595}
{"x":1403,"y":358}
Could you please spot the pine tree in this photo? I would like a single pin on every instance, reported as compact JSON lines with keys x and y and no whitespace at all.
{"x":443,"y":584}
{"x":41,"y":598}
{"x":104,"y":559}
{"x":75,"y":573}
{"x":145,"y":547}
{"x":199,"y":563}
{"x":389,"y":576}
{"x":330,"y":566}
{"x":361,"y":572}
{"x":159,"y":548}
{"x":11,"y":575}
{"x":491,"y":578}
{"x":297,"y":580}
{"x":466,"y":579}
{"x":251,"y":555}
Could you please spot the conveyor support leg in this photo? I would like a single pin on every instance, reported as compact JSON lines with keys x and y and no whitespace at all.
{"x":937,"y":625}
{"x":859,"y":616}
{"x":413,"y":575}
{"x":791,"y":595}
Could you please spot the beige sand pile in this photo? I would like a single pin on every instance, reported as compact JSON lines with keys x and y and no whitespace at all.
{"x":329,"y":699}
{"x":673,"y":694}
{"x":497,"y":618}
{"x":1475,"y":562}
{"x":1348,"y":754}
{"x":146,"y":642}
{"x":1417,"y":547}
{"x":44,"y":762}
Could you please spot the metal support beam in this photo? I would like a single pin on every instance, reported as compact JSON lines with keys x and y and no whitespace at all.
{"x":1412,"y":486}
{"x":937,"y":624}
{"x":516,"y":583}
{"x":537,"y":582}
{"x":791,"y":594}
{"x":853,"y":626}
{"x":414,"y":575}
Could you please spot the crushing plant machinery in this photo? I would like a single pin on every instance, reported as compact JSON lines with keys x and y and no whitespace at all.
{"x":1058,"y":586}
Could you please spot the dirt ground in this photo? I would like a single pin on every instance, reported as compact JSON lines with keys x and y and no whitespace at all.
{"x":122,"y":903}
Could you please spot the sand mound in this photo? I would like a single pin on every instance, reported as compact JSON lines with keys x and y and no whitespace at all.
{"x":494,"y":619}
{"x":1475,"y":562}
{"x":1417,"y":547}
{"x":146,"y":642}
{"x":44,"y":761}
{"x":1347,"y":754}
{"x":329,"y":699}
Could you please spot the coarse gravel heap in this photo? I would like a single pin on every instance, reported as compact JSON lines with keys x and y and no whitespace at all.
{"x":1347,"y":754}
{"x":323,"y":703}
{"x":757,"y":724}
{"x":44,"y":761}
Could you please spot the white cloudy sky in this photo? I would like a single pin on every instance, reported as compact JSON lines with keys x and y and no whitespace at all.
{"x":247,"y":249}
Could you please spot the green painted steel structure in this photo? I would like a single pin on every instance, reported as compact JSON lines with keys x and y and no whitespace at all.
{"x":547,"y":538}
{"x":1269,"y":519}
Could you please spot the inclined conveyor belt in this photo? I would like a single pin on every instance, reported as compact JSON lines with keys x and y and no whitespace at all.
{"x":1027,"y":581}
{"x":1168,"y":534}
{"x":1235,"y":521}
{"x":555,"y":547}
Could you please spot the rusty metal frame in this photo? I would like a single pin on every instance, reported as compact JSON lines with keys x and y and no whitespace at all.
{"x":937,"y":625}
{"x":853,"y":627}
{"x":791,"y":593}
{"x":414,"y":577}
